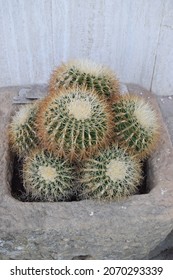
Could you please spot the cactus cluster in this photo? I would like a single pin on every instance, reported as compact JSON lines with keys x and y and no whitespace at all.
{"x":84,"y":138}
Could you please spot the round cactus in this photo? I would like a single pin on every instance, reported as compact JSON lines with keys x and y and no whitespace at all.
{"x":111,"y":175}
{"x":136,"y":125}
{"x":85,"y":73}
{"x":22,"y":130}
{"x":76,"y":123}
{"x":47,"y":177}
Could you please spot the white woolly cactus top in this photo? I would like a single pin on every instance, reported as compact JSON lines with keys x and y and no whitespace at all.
{"x":76,"y":123}
{"x":80,"y":109}
{"x":48,"y":173}
{"x":144,"y":114}
{"x":116,"y":170}
{"x":21,"y":116}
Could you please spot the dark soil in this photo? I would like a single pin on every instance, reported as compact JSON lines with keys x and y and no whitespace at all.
{"x":18,"y":191}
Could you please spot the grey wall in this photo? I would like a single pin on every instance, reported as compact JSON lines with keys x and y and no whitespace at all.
{"x":133,"y":37}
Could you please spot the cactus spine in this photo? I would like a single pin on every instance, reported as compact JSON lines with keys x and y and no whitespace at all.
{"x":111,"y":175}
{"x":85,"y":73}
{"x":76,"y":123}
{"x":136,"y":125}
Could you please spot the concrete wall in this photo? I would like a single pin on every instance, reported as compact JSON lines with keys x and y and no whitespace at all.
{"x":133,"y":37}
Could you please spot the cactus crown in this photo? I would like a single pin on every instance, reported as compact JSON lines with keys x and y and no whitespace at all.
{"x":22,"y":130}
{"x":112,"y":174}
{"x":47,"y":177}
{"x":136,"y":125}
{"x":75,"y":123}
{"x":85,"y":73}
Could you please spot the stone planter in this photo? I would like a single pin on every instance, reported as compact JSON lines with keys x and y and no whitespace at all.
{"x":130,"y":229}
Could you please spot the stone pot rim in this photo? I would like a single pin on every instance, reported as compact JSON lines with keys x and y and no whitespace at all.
{"x":147,"y":212}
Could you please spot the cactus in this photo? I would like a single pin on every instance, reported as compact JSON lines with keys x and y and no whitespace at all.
{"x":76,"y":123}
{"x":22,"y":130}
{"x":111,"y":175}
{"x":47,"y":177}
{"x":85,"y":73}
{"x":136,"y":125}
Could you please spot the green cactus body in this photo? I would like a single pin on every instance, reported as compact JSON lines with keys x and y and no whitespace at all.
{"x":111,"y":175}
{"x":22,"y":130}
{"x":136,"y":125}
{"x":76,"y":123}
{"x":88,"y":74}
{"x":47,"y":177}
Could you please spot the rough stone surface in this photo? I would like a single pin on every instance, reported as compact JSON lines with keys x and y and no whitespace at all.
{"x":164,"y":251}
{"x":166,"y":106}
{"x":130,"y":229}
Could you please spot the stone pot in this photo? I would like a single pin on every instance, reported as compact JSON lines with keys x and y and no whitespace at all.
{"x":130,"y":229}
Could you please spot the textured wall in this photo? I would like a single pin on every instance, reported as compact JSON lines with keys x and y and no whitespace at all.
{"x":133,"y":37}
